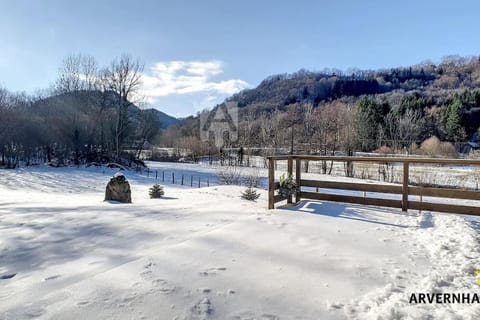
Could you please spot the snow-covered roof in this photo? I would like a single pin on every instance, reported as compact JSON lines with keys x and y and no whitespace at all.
{"x":473,"y":144}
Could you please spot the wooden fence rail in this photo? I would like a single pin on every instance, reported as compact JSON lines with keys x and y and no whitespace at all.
{"x":404,"y":189}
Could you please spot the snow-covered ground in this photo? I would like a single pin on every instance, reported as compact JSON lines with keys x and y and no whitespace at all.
{"x":204,"y":253}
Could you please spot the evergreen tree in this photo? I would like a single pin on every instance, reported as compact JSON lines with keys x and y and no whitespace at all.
{"x":156,"y":191}
{"x":250,"y":194}
{"x":369,"y":115}
{"x":453,"y":121}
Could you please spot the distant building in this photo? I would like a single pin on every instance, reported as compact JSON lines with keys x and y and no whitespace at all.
{"x":473,"y":145}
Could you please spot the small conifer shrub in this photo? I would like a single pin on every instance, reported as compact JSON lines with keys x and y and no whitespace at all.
{"x":156,"y":191}
{"x":250,"y":194}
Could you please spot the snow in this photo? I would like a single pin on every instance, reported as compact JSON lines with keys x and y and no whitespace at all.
{"x":118,"y":174}
{"x":204,"y":253}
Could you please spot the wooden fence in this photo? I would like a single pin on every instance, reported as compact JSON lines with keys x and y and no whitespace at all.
{"x":404,"y":189}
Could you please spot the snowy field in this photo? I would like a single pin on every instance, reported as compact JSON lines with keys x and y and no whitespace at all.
{"x":204,"y":253}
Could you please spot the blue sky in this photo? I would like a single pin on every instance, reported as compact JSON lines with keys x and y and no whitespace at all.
{"x":197,"y":53}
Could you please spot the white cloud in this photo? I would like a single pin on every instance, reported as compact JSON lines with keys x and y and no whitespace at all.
{"x":203,"y":102}
{"x":187,"y":77}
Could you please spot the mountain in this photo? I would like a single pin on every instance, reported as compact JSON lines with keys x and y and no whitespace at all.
{"x":65,"y":105}
{"x":165,"y":119}
{"x":435,"y":81}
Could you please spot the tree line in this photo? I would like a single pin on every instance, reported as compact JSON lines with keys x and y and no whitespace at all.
{"x":345,"y":126}
{"x":90,"y":114}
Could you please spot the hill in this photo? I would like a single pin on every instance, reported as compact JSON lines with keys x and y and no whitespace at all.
{"x":441,"y":100}
{"x":65,"y":105}
{"x":435,"y":81}
{"x":165,"y":119}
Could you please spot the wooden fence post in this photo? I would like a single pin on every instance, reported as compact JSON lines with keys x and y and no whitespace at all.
{"x":271,"y":183}
{"x":182,"y":179}
{"x":173,"y":177}
{"x":290,"y":173}
{"x":208,"y":182}
{"x":199,"y":181}
{"x":163,"y":176}
{"x":191,"y":181}
{"x":156,"y":174}
{"x":298,"y":166}
{"x":405,"y":186}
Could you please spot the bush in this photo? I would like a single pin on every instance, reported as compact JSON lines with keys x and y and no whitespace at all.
{"x":229,"y":175}
{"x":288,"y":186}
{"x":434,"y":147}
{"x":156,"y":191}
{"x":252,"y":178}
{"x":384,"y":150}
{"x":250,"y":194}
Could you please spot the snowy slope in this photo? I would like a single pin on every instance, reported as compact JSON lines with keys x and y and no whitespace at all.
{"x":206,"y":254}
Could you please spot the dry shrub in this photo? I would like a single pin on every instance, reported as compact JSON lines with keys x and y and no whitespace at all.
{"x":415,"y":149}
{"x":384,"y":150}
{"x":252,"y":178}
{"x":434,"y":147}
{"x":386,"y":170}
{"x":474,"y":155}
{"x":230,"y":175}
{"x":447,"y":149}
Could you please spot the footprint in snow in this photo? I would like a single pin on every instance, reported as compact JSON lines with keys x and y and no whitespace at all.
{"x":282,"y":225}
{"x":211,"y":271}
{"x":201,"y":310}
{"x":7,"y":276}
{"x":162,"y":286}
{"x":248,"y":315}
{"x":34,"y":312}
{"x":52,"y":277}
{"x":147,"y":273}
{"x":267,"y":316}
{"x":336,"y":306}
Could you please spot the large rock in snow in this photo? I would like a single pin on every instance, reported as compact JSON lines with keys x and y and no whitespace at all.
{"x":118,"y":189}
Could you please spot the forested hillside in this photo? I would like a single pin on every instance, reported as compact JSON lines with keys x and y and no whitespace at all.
{"x":359,"y":110}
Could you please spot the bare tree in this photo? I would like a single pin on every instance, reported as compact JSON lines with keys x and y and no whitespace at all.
{"x":404,"y":130}
{"x":148,"y":127}
{"x":248,"y":136}
{"x":308,"y":121}
{"x":77,"y":73}
{"x":330,"y":121}
{"x":69,"y":79}
{"x":409,"y":127}
{"x":307,"y":127}
{"x":124,"y":79}
{"x":292,"y":120}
